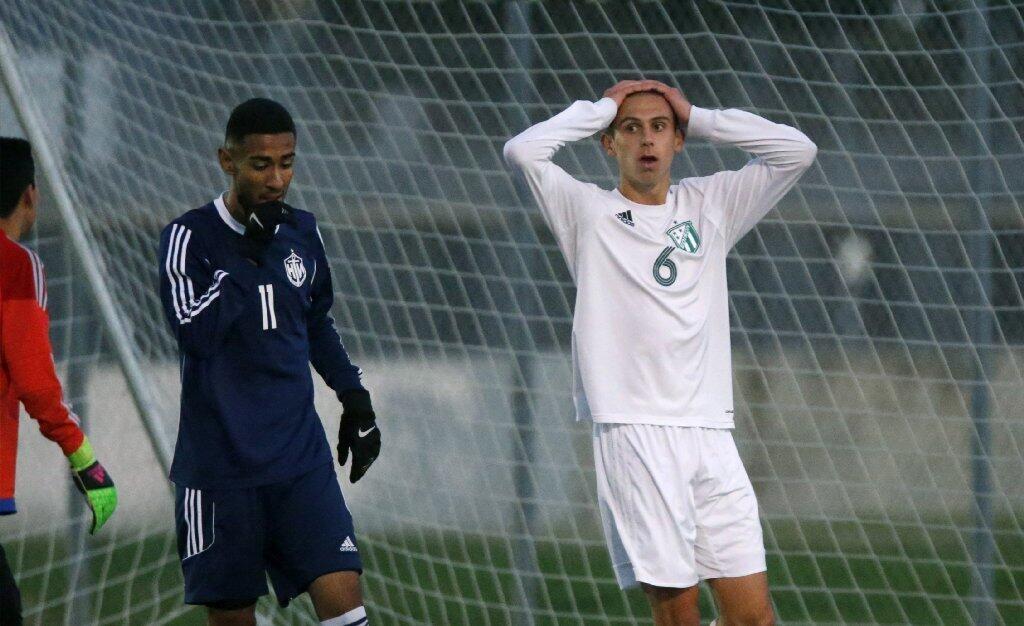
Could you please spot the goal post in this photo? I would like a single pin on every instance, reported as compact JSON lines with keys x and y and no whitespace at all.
{"x":85,"y":252}
{"x":877,"y":315}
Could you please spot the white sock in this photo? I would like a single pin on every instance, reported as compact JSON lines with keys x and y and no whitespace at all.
{"x":355,"y":617}
{"x":714,"y":622}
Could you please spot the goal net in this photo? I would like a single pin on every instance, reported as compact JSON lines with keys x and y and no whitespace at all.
{"x":877,"y":315}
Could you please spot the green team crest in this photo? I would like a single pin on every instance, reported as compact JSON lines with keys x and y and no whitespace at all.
{"x":685,"y":237}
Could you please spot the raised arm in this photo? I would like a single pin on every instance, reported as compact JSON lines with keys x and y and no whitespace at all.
{"x":781,"y":155}
{"x":557,"y":193}
{"x":537,"y":144}
{"x":201,"y":302}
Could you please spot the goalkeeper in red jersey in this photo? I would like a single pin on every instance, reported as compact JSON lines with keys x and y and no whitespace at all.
{"x":27,"y":375}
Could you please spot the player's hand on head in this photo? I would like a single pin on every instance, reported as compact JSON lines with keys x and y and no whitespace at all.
{"x":261,"y":224}
{"x":676,"y":99}
{"x":94,"y":483}
{"x":624,"y":88}
{"x":358,"y":433}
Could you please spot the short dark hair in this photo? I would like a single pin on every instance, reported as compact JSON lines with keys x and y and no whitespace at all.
{"x":17,"y":172}
{"x":258,"y":116}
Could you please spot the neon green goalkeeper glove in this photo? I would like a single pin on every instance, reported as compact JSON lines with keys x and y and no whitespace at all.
{"x":94,"y":483}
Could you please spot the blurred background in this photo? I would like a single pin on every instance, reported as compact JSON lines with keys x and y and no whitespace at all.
{"x":876,"y":314}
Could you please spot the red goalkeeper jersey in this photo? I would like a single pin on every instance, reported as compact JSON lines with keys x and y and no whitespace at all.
{"x":27,"y":373}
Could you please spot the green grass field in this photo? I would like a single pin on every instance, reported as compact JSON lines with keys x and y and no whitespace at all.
{"x":881,"y":577}
{"x":132,"y":583}
{"x":821,"y":573}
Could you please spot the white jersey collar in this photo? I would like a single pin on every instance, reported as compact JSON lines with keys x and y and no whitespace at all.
{"x":222,"y":210}
{"x":649,"y":207}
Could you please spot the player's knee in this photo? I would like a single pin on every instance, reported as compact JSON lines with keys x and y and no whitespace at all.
{"x":759,"y":617}
{"x":232,"y":613}
{"x":335,"y":594}
{"x":673,"y":605}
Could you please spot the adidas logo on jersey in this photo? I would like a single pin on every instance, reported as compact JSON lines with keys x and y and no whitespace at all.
{"x":626,"y":217}
{"x":348,"y":546}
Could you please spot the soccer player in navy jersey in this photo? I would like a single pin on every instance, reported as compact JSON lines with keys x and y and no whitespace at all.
{"x":246,"y":287}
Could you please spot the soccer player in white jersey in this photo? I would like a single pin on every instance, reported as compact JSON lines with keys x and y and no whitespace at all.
{"x":651,"y":354}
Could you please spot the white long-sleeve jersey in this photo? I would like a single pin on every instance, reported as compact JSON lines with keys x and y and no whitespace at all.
{"x":651,"y":324}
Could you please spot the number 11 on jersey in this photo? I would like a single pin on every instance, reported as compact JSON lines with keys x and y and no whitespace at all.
{"x":267,"y":303}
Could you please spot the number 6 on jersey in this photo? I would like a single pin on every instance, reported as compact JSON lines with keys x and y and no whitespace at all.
{"x":667,"y":263}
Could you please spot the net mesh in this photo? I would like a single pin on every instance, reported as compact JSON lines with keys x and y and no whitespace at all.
{"x":128,"y":572}
{"x":876,"y":315}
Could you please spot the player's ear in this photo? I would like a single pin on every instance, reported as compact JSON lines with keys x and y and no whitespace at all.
{"x":680,"y":139}
{"x":30,"y":196}
{"x":227,"y":163}
{"x":608,"y":143}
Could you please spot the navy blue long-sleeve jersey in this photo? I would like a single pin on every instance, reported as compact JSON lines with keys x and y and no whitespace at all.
{"x":246,"y":336}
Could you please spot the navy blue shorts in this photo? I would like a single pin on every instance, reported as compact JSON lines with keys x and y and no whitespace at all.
{"x":230,"y":539}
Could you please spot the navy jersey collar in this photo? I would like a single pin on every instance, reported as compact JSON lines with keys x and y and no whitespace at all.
{"x":222,"y":210}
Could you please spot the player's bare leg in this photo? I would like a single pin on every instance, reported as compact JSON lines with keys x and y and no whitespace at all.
{"x":336,"y":594}
{"x":743,"y":601}
{"x":673,"y":607}
{"x":231,"y":617}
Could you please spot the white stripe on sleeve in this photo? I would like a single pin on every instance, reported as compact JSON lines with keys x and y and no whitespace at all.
{"x":208,"y":297}
{"x":171,"y":249}
{"x":38,"y":278}
{"x":184,"y":302}
{"x":181,"y":265}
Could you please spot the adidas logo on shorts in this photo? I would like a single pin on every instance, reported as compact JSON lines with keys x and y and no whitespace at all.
{"x":348,"y":546}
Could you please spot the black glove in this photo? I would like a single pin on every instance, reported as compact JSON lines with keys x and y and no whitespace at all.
{"x":358,"y":432}
{"x":263,"y":221}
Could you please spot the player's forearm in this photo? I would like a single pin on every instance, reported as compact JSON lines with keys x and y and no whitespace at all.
{"x":25,"y":344}
{"x":201,"y":301}
{"x":202,"y":307}
{"x":331,"y":360}
{"x":39,"y":391}
{"x":538,"y":143}
{"x":56,"y":422}
{"x":341,"y":379}
{"x":779,"y":146}
{"x":202,"y":328}
{"x":326,"y":350}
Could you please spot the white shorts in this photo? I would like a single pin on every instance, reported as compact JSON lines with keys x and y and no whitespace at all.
{"x":676,"y":505}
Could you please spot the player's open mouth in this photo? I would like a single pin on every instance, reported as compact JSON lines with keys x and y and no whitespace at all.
{"x":648,"y":160}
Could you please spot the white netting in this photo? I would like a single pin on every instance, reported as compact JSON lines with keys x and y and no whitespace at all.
{"x":128,"y":573}
{"x":877,"y":315}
